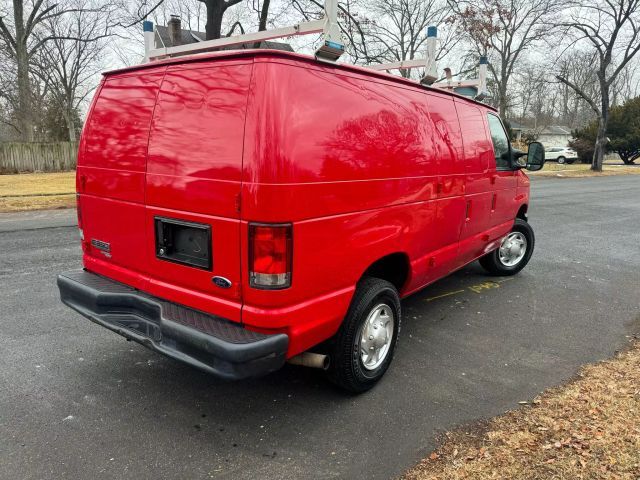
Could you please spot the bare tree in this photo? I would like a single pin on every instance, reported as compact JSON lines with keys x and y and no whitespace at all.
{"x":388,"y":30}
{"x":577,"y":67}
{"x":17,"y":39}
{"x":354,"y":26}
{"x":504,"y":30}
{"x":70,"y":60}
{"x":612,"y":29}
{"x":625,"y":86}
{"x":264,"y":15}
{"x":215,"y":13}
{"x":402,"y":29}
{"x":21,"y":40}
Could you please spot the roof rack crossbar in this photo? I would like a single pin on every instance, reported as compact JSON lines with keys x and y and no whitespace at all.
{"x":331,"y":48}
{"x":477,"y":85}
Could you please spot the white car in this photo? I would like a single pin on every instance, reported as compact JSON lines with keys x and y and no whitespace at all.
{"x":560,"y":154}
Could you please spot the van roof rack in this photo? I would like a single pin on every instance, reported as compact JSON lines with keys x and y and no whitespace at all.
{"x":475,"y":88}
{"x":331,"y":48}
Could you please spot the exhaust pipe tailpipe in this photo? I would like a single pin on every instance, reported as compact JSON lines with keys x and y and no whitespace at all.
{"x":311,"y":360}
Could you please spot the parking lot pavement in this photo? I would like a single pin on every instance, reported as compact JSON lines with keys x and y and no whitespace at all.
{"x":37,"y":220}
{"x":77,"y":401}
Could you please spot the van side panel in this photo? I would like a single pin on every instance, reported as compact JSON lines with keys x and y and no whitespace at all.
{"x":194,"y":174}
{"x":353,"y":164}
{"x":110,"y":175}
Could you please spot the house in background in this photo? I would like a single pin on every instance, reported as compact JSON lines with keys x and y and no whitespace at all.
{"x":173,"y":35}
{"x":555,"y":136}
{"x":550,"y":136}
{"x":517,"y":130}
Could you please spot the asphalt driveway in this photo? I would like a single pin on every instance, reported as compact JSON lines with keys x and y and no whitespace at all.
{"x":77,"y":401}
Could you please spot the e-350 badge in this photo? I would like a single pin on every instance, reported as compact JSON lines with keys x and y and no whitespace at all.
{"x":104,"y":247}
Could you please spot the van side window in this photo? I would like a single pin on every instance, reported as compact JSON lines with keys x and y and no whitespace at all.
{"x":500,"y":143}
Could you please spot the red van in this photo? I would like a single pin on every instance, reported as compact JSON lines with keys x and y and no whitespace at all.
{"x":242,"y":209}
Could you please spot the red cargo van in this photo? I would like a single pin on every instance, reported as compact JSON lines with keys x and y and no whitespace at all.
{"x":240,"y":209}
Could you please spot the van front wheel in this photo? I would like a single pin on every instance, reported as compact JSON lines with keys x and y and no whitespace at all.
{"x":363,"y":348}
{"x":514,"y":251}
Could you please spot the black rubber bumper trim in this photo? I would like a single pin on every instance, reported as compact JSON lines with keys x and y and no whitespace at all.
{"x":210,"y":343}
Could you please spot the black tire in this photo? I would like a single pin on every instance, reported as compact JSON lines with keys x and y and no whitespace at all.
{"x":493,"y":265}
{"x":561,"y":160}
{"x":347,"y":369}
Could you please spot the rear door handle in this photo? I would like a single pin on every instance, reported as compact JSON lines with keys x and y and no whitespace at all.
{"x":468,"y":211}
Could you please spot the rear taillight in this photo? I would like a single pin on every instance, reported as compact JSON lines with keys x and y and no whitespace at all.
{"x":270,"y":255}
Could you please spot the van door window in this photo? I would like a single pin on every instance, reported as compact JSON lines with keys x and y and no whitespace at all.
{"x":500,"y":143}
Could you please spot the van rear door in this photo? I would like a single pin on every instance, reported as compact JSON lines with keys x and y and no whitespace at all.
{"x":193,"y":185}
{"x":111,"y":175}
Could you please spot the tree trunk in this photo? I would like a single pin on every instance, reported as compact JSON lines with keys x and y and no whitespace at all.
{"x":68,"y":117}
{"x":264,"y":15}
{"x":25,"y":115}
{"x":502,"y":101}
{"x":601,"y":137}
{"x":627,"y":157}
{"x":601,"y":143}
{"x":502,"y":89}
{"x":215,"y":11}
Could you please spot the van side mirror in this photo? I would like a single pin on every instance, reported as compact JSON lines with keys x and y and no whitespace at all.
{"x":535,"y":157}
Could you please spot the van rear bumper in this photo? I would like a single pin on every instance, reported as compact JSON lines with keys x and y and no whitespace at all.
{"x":213,"y":344}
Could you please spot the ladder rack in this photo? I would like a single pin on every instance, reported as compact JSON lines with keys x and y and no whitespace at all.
{"x":476,"y":88}
{"x":331,"y":48}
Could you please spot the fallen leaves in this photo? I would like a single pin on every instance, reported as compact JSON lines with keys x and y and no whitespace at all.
{"x":589,"y":428}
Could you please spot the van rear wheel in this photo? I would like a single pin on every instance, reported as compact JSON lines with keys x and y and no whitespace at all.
{"x":514,"y":251}
{"x":363,"y":348}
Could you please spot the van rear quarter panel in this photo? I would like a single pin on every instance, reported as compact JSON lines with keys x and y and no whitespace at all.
{"x":111,"y":174}
{"x":353,"y":162}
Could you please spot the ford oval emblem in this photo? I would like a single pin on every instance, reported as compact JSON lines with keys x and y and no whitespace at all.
{"x":221,"y":282}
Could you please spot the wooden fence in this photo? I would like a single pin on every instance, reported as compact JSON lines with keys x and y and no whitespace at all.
{"x":37,"y":157}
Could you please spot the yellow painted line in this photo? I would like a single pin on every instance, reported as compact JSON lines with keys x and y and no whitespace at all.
{"x":483,"y":286}
{"x":479,"y":288}
{"x":508,"y":279}
{"x":445,"y":295}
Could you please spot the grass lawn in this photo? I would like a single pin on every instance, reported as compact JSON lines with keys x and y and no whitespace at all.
{"x":32,"y":191}
{"x":578,"y":170}
{"x":588,"y":429}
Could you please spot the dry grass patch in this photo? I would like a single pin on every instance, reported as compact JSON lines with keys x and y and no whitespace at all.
{"x":588,"y":429}
{"x":31,"y":191}
{"x":37,"y":203}
{"x":579,"y":170}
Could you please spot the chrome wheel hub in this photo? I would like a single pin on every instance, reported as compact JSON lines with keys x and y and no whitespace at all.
{"x":513,"y":249}
{"x":376,"y":337}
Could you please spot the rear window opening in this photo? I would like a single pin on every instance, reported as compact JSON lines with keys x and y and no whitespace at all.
{"x":183,"y":242}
